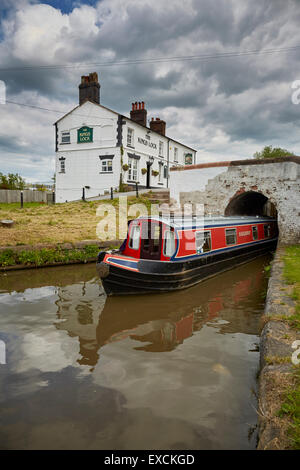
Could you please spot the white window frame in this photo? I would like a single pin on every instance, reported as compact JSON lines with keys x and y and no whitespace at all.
{"x":175,"y":154}
{"x":106,"y":164}
{"x":199,"y":247}
{"x":232,"y":230}
{"x":62,"y":164}
{"x":133,"y":169}
{"x":134,"y":241}
{"x":161,"y":149}
{"x":64,"y":135}
{"x":169,"y":252}
{"x":130,"y":137}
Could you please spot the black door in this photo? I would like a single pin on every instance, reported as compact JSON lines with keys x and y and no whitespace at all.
{"x":151,"y":240}
{"x":148,"y":174}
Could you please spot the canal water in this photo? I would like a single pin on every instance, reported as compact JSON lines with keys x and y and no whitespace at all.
{"x":166,"y":371}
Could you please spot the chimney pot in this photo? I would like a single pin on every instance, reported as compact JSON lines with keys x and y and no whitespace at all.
{"x":158,"y":126}
{"x":139,"y":113}
{"x":89,"y":88}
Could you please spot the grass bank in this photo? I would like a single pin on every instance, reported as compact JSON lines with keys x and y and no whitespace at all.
{"x":292,"y":275}
{"x":48,"y":256}
{"x":291,"y":404}
{"x":69,"y":222}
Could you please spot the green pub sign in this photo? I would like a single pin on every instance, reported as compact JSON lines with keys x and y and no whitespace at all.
{"x":84,"y":134}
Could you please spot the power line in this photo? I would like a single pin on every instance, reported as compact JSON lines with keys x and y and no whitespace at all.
{"x":156,"y":60}
{"x":54,"y":110}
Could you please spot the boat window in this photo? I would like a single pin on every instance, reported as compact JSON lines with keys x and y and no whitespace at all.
{"x":203,"y":242}
{"x":230,"y":236}
{"x":169,"y":243}
{"x":254,"y":232}
{"x":155,"y":237}
{"x":134,"y":241}
{"x":267,"y":231}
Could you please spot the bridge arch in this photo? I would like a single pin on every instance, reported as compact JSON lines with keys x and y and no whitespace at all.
{"x":244,"y":187}
{"x":250,"y":203}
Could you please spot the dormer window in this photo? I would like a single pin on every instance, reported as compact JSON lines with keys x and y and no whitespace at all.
{"x":65,"y":137}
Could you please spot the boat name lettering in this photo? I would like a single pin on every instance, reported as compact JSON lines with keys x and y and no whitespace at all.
{"x":244,"y":234}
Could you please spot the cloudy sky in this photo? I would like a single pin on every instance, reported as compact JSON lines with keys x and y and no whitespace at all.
{"x":227,"y":102}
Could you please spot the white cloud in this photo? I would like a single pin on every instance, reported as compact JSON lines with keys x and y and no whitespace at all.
{"x":226,"y":108}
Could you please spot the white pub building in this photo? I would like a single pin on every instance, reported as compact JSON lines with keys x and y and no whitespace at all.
{"x":96,"y":148}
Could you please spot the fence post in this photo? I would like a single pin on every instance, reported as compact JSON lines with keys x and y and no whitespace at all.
{"x":22,"y":202}
{"x":83,"y":194}
{"x":136,"y":190}
{"x":53,"y":197}
{"x":111,"y":193}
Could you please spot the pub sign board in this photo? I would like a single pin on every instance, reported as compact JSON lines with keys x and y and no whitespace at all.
{"x":84,"y":134}
{"x":188,"y":159}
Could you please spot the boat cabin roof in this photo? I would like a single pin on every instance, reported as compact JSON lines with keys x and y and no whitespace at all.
{"x":189,"y":221}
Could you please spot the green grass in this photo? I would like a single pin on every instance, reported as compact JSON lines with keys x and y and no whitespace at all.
{"x":47,"y":256}
{"x":13,"y":206}
{"x":291,"y":273}
{"x":291,"y":407}
{"x":291,"y":404}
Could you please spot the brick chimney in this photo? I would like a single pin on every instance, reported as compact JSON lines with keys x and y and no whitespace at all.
{"x":89,"y":88}
{"x":138,"y":113}
{"x":158,"y":125}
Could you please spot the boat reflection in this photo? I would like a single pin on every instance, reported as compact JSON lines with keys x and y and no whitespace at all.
{"x":158,"y":322}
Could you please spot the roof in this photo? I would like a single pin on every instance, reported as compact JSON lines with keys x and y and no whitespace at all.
{"x":125,"y":117}
{"x":199,"y":221}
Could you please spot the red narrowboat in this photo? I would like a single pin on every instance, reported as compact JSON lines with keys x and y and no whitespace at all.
{"x":163,"y":254}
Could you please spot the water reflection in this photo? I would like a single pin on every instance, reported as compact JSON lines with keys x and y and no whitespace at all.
{"x":84,"y":370}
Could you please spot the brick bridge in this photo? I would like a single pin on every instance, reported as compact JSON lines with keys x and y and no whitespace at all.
{"x":244,"y":187}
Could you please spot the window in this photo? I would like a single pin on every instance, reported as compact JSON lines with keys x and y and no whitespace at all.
{"x":156,"y":231}
{"x":130,"y":137}
{"x":134,"y":242}
{"x":62,"y":165}
{"x":160,"y":173}
{"x":107,"y":166}
{"x":169,"y":243}
{"x":132,"y":169}
{"x":254,"y":233}
{"x":65,"y":137}
{"x":203,"y":242}
{"x":267,"y":231}
{"x":230,"y":236}
{"x":161,"y":149}
{"x":175,"y":154}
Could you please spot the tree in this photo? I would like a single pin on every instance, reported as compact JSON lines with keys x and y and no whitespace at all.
{"x":270,"y":152}
{"x":11,"y":181}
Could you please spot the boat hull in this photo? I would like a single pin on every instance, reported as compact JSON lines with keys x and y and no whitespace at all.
{"x":157,"y":276}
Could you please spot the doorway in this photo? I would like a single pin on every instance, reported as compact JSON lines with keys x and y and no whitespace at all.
{"x":148,"y":175}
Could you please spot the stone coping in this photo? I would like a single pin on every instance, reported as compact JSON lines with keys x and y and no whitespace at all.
{"x":252,"y":161}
